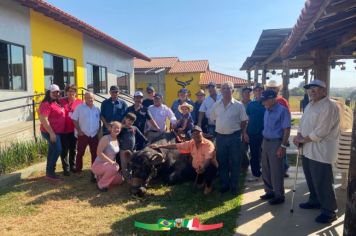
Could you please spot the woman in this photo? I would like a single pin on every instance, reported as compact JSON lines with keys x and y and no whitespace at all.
{"x":52,"y":117}
{"x":105,"y":167}
{"x":68,"y":140}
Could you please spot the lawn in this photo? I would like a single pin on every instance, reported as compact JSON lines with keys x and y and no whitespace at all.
{"x":76,"y":207}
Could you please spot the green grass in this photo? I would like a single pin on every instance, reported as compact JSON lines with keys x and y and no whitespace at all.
{"x":295,"y":122}
{"x":294,"y":102}
{"x":76,"y":207}
{"x":18,"y":155}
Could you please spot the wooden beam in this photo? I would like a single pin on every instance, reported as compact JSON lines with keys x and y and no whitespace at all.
{"x":341,"y":6}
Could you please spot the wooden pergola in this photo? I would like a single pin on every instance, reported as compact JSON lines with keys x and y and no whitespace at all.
{"x":324,"y":33}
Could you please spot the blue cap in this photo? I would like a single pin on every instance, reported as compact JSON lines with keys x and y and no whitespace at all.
{"x":183,"y":90}
{"x":211,"y":85}
{"x":150,"y":88}
{"x":158,"y":95}
{"x":268,"y":94}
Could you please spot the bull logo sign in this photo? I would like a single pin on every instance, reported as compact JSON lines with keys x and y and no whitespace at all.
{"x":166,"y":225}
{"x":182,"y":83}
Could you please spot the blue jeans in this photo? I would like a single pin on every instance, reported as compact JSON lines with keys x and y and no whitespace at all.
{"x":256,"y":150}
{"x":54,"y":150}
{"x":229,"y":159}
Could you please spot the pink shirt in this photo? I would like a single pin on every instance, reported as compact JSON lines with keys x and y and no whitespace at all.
{"x":69,"y":109}
{"x":55,"y":114}
{"x":199,"y":155}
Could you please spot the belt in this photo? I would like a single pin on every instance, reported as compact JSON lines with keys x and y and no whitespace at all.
{"x":237,"y":131}
{"x":273,"y":139}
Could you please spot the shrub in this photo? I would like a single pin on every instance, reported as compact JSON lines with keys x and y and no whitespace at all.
{"x":21,"y":154}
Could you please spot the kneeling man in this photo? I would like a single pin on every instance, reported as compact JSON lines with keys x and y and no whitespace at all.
{"x":202,"y":151}
{"x":277,"y":123}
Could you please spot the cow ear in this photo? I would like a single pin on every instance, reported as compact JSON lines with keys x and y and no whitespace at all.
{"x":157,"y":159}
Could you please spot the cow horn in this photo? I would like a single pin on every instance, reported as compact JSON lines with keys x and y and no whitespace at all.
{"x":155,"y":156}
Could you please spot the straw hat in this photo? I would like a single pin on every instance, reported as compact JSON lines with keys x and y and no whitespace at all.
{"x":272,"y":84}
{"x":185,"y":104}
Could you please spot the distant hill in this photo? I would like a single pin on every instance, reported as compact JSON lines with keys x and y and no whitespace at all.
{"x":342,"y":92}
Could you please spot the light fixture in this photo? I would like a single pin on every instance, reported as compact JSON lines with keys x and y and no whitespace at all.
{"x":273,"y":72}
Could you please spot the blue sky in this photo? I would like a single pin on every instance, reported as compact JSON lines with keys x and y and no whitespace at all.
{"x":223,"y":31}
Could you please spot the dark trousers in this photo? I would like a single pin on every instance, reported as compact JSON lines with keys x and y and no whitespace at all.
{"x":54,"y":150}
{"x":83,"y":142}
{"x":229,"y":159}
{"x":208,"y":175}
{"x":255,"y":153}
{"x":69,"y":145}
{"x":319,"y":177}
{"x":245,"y":160}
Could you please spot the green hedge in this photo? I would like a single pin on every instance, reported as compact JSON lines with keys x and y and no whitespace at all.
{"x":18,"y":155}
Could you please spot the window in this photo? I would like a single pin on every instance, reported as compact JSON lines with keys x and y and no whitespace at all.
{"x":12,"y":67}
{"x":58,"y":70}
{"x":123,"y":79}
{"x":97,"y":78}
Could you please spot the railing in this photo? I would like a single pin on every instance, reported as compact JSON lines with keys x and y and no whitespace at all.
{"x":124,"y":96}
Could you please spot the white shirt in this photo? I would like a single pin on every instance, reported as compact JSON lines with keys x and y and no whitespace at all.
{"x":88,"y":119}
{"x":320,"y":122}
{"x":160,"y":115}
{"x":228,"y":119}
{"x":207,"y":105}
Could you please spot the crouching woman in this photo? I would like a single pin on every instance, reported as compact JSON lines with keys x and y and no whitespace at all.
{"x":105,"y":167}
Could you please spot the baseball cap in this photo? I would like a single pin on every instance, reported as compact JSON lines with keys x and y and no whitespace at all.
{"x":114,"y":88}
{"x":268,"y":94}
{"x":258,"y":85}
{"x":150,"y":88}
{"x":197,"y":128}
{"x":183,"y":90}
{"x":138,"y":94}
{"x":317,"y":83}
{"x":53,"y":88}
{"x":158,"y":95}
{"x":246,"y":89}
{"x":211,"y":85}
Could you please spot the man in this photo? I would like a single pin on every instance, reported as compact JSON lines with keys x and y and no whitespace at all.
{"x":207,"y":105}
{"x":86,"y":119}
{"x":245,"y":100}
{"x":160,"y":113}
{"x":255,"y":112}
{"x":141,"y":112}
{"x":272,"y":84}
{"x":277,"y":123}
{"x":149,"y":100}
{"x":318,"y":137}
{"x":200,"y":96}
{"x":203,"y":153}
{"x":231,"y":120}
{"x":182,"y":97}
{"x":112,"y":109}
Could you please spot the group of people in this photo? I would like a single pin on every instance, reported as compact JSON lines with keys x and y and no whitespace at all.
{"x":261,"y":125}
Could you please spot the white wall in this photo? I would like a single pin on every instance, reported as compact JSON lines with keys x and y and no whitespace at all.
{"x":98,"y":53}
{"x":15,"y":28}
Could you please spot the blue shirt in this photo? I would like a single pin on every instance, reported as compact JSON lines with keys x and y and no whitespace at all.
{"x":255,"y":111}
{"x":113,"y":110}
{"x":276,"y":120}
{"x":175,"y":106}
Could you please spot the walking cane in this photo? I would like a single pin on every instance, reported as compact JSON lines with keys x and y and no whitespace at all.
{"x":300,"y":152}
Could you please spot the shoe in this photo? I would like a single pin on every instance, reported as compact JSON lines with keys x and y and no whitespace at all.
{"x":66,"y":173}
{"x":103,"y":189}
{"x":267,"y":196}
{"x":276,"y":200}
{"x":73,"y":170}
{"x":308,"y":205}
{"x":92,"y":178}
{"x":53,"y":178}
{"x":208,"y":190}
{"x":286,"y":175}
{"x":325,"y":219}
{"x":224,"y":190}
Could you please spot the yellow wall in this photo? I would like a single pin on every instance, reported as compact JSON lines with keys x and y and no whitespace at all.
{"x":172,"y":87}
{"x":50,"y":36}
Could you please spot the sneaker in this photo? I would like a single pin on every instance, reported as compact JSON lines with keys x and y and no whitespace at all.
{"x":92,"y":178}
{"x":308,"y":205}
{"x":66,"y":173}
{"x":267,"y":196}
{"x":325,"y":219}
{"x":102,"y":189}
{"x":276,"y":200}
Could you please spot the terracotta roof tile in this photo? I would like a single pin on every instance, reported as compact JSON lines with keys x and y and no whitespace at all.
{"x":190,"y":66}
{"x":219,"y":78}
{"x":71,"y":21}
{"x":156,"y":62}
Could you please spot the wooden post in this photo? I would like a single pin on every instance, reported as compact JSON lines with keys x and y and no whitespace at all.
{"x":350,"y":214}
{"x":306,"y":76}
{"x":248,"y":78}
{"x":256,"y":76}
{"x":285,"y":77}
{"x":322,"y":67}
{"x":264,"y":72}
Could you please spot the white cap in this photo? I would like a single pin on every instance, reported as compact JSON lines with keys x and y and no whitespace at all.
{"x":138,"y":94}
{"x":53,"y":88}
{"x":317,"y":83}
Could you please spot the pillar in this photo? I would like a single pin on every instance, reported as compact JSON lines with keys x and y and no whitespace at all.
{"x":264,"y":72}
{"x":248,"y":78}
{"x":256,"y":76}
{"x":285,"y":78}
{"x":322,"y":67}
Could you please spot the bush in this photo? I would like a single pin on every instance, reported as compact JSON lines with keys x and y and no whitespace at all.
{"x":21,"y":154}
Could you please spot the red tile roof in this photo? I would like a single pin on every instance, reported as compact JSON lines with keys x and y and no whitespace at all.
{"x":71,"y":21}
{"x":156,"y":62}
{"x":190,"y":66}
{"x":219,"y":78}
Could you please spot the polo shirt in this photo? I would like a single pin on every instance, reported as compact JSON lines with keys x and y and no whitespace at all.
{"x":160,"y":115}
{"x":207,"y":105}
{"x":255,"y":112}
{"x":88,"y":119}
{"x":55,"y":114}
{"x":69,"y":109}
{"x":142,"y":115}
{"x":201,"y":154}
{"x":113,"y":110}
{"x":228,"y":119}
{"x":276,"y":120}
